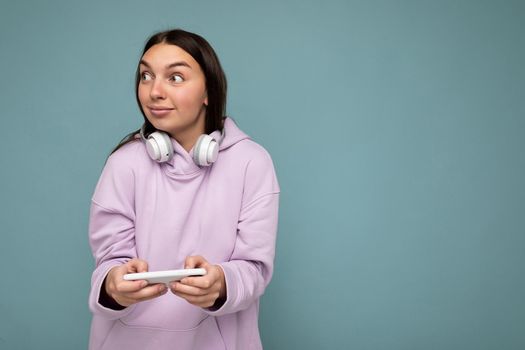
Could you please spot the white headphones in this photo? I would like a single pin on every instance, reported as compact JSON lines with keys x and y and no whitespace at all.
{"x":160,"y":149}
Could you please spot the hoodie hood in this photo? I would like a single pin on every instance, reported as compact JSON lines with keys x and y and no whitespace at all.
{"x":182,"y":162}
{"x":231,"y":134}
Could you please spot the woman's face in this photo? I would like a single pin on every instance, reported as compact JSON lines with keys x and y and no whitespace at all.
{"x":172,"y":92}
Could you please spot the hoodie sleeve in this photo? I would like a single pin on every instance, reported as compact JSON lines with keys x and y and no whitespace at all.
{"x":251,"y":266}
{"x":111,"y":227}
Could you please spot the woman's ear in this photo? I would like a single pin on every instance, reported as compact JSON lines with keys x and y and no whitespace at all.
{"x":206,"y":101}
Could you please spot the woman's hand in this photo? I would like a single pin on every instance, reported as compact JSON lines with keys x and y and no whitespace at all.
{"x":127,"y":293}
{"x":203,"y":291}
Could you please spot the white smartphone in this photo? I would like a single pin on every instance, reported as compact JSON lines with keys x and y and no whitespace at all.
{"x":164,"y":276}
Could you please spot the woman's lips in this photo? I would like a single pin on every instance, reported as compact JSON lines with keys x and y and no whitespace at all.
{"x":160,"y":111}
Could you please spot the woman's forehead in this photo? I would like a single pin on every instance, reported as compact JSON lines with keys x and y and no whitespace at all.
{"x":166,"y":56}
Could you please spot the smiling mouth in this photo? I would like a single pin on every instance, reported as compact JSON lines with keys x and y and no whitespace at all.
{"x":160,"y":111}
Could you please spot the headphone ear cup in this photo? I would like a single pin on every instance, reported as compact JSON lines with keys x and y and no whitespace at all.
{"x":205,"y":151}
{"x":159,"y":146}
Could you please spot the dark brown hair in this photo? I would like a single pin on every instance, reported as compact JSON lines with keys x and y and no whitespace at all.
{"x":216,"y":84}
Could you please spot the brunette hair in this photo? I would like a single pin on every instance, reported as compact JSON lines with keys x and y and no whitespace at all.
{"x":216,"y":84}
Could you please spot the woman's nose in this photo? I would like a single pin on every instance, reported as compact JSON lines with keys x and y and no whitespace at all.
{"x":157,"y":90}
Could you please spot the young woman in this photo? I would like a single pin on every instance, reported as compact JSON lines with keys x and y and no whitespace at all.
{"x":187,"y":190}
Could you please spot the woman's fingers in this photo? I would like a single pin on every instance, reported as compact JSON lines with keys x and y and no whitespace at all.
{"x":130,"y":286}
{"x":127,"y":293}
{"x":201,"y":291}
{"x":136,"y":265}
{"x":187,"y":289}
{"x":148,"y":292}
{"x":205,"y":282}
{"x":206,"y":300}
{"x":195,"y":261}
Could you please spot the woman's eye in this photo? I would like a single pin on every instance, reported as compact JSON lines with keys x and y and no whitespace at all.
{"x":145,"y":76}
{"x":176,"y":79}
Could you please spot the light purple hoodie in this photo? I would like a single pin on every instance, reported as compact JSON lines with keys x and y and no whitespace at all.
{"x":162,"y":213}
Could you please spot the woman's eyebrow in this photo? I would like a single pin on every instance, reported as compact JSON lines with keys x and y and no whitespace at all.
{"x":171,"y":65}
{"x":176,"y":64}
{"x":144,"y":63}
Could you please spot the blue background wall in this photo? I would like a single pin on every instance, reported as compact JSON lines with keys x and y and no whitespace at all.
{"x":396,"y":128}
